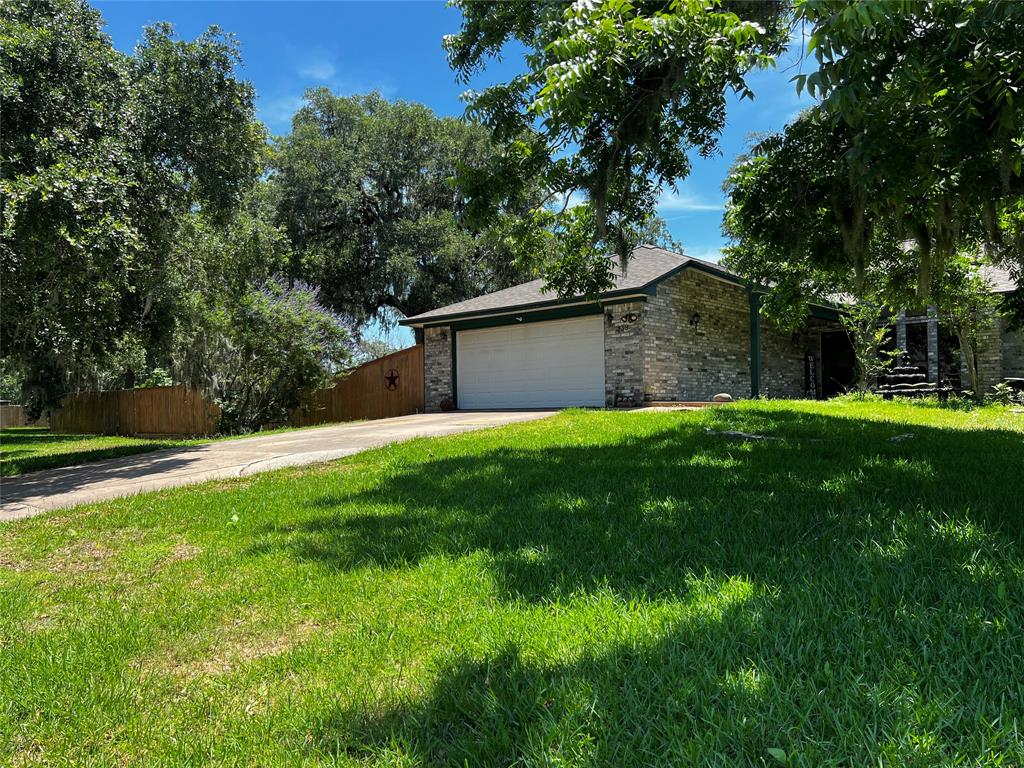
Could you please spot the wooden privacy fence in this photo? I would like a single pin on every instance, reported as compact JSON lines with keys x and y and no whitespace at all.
{"x":175,"y":410}
{"x":390,"y":386}
{"x":12,"y":415}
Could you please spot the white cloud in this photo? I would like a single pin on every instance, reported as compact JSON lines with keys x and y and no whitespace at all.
{"x":316,"y":64}
{"x":277,"y":112}
{"x":319,"y":70}
{"x":682,"y":201}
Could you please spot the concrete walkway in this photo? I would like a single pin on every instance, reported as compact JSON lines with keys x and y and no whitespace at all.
{"x":32,"y":493}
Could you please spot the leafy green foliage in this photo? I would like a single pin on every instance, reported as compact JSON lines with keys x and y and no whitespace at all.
{"x":782,"y":216}
{"x":966,"y":303}
{"x":367,"y":198}
{"x":614,"y":97}
{"x":929,"y":94}
{"x":917,"y":140}
{"x":11,"y":379}
{"x":102,"y":154}
{"x":868,"y":332}
{"x":256,"y":353}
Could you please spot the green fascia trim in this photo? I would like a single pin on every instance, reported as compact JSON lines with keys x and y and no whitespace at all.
{"x":611,"y":297}
{"x":554,"y":304}
{"x":755,"y":344}
{"x":826,"y":313}
{"x":555,"y":313}
{"x":455,"y":370}
{"x":820,"y":311}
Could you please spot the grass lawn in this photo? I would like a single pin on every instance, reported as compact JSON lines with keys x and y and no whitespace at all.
{"x":26,"y":449}
{"x":612,"y":589}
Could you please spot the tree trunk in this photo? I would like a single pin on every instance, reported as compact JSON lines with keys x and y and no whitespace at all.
{"x":970,"y":360}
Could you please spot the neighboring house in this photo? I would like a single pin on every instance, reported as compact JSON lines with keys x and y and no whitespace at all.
{"x":672,"y":329}
{"x":932,"y":347}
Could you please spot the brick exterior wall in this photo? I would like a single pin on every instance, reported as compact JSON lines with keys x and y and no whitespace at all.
{"x":783,"y":359}
{"x":989,"y":355}
{"x":625,"y":326}
{"x":653,"y":353}
{"x":686,"y":362}
{"x":1013,"y":353}
{"x":437,"y":368}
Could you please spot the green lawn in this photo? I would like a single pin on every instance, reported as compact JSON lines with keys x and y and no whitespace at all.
{"x":613,"y":589}
{"x":29,"y":449}
{"x":26,"y":449}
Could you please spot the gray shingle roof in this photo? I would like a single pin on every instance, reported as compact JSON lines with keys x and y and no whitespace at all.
{"x":998,"y":278}
{"x":647,"y":265}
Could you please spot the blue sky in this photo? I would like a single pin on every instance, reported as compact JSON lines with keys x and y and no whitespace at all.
{"x":395,"y":47}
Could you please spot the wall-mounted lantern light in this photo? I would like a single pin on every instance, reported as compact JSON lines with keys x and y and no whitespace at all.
{"x":695,"y":319}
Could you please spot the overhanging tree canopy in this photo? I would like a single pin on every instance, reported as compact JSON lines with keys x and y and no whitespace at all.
{"x":614,"y":97}
{"x":930,"y":95}
{"x":102,"y":154}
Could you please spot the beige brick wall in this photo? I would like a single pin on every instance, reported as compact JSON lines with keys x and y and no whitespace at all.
{"x":782,"y":359}
{"x":989,"y":354}
{"x":437,"y":367}
{"x":624,"y":329}
{"x":1013,"y":353}
{"x":686,"y":362}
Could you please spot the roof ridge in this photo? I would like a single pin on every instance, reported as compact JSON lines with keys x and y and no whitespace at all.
{"x":655,"y":264}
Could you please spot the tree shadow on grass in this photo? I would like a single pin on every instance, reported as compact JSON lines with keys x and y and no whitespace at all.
{"x":609,"y":709}
{"x":886,"y":620}
{"x":35,"y":435}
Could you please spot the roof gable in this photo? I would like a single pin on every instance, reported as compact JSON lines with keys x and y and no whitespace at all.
{"x":999,"y":279}
{"x":647,"y":266}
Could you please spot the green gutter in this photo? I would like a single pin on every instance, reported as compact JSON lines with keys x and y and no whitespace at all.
{"x":555,"y":313}
{"x":455,"y":372}
{"x":755,"y":344}
{"x":624,"y":294}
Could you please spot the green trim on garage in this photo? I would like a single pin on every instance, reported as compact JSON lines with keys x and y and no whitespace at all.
{"x":455,"y":370}
{"x":555,"y":313}
{"x":755,"y":344}
{"x":612,"y":297}
{"x":618,"y":297}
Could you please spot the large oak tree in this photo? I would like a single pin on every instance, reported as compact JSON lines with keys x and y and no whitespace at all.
{"x":368,"y":196}
{"x":101,"y":156}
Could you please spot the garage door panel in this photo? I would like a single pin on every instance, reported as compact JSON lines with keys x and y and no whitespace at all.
{"x":534,"y":365}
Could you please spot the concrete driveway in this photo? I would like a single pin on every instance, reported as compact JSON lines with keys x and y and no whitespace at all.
{"x":32,"y":493}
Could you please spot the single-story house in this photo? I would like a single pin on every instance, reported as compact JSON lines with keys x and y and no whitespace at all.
{"x":671,"y":329}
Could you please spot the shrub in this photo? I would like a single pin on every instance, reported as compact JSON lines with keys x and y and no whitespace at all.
{"x":256,"y":356}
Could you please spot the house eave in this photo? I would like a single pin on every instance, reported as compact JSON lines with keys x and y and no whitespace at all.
{"x":529,"y":310}
{"x":643,"y":292}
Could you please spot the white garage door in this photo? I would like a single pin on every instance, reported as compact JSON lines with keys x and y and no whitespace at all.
{"x":550,"y":364}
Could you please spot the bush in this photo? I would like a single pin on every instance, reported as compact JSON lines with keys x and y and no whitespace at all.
{"x":256,"y":356}
{"x":1004,"y":394}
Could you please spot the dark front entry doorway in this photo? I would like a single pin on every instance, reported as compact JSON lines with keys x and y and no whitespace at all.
{"x":838,"y":363}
